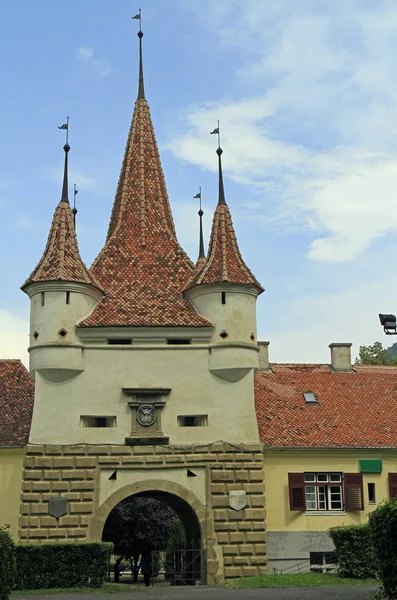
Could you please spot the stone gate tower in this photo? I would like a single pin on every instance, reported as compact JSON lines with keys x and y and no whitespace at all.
{"x":144,"y":373}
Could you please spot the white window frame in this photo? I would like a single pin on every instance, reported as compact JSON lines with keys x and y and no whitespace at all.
{"x":320,"y":491}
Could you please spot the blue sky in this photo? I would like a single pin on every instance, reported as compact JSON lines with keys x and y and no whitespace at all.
{"x":306,"y":93}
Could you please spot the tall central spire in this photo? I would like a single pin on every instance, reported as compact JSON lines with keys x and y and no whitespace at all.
{"x":141,"y":87}
{"x":142,"y":267}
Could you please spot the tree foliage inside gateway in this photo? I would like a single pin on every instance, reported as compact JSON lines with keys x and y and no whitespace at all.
{"x":377,"y":355}
{"x":137,"y":526}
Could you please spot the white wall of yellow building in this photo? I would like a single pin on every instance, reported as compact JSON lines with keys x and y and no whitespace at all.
{"x":11,"y":466}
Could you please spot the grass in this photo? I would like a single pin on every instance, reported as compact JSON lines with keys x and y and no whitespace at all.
{"x":108,"y":588}
{"x":296,"y":580}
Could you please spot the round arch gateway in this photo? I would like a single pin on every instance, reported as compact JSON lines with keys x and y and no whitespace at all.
{"x":189,"y":561}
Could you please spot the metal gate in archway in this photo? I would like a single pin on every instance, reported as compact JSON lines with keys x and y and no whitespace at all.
{"x":181,"y":565}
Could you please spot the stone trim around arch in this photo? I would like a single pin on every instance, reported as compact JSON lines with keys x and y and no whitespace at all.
{"x":148,"y":485}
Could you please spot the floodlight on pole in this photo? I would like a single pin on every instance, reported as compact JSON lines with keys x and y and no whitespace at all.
{"x":389,"y":324}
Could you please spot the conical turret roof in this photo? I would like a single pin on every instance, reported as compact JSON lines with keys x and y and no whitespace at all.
{"x":61,"y":259}
{"x":142,"y":268}
{"x":224,"y":263}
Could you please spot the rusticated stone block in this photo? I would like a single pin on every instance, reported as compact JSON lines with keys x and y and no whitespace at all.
{"x":256,"y":475}
{"x":27,"y":486}
{"x":220,"y":501}
{"x":25,"y":509}
{"x":84,"y":521}
{"x":81,"y":507}
{"x":254,"y":488}
{"x":223,"y":538}
{"x":258,"y":526}
{"x":39,"y":533}
{"x":53,"y":450}
{"x":59,"y":486}
{"x":74,"y":474}
{"x":133,"y":460}
{"x":78,"y":532}
{"x":53,"y":474}
{"x":246,"y":549}
{"x":151,"y":460}
{"x":43,"y":462}
{"x":48,"y":521}
{"x":30,"y":497}
{"x":69,"y":521}
{"x":174,"y":459}
{"x":109,"y":460}
{"x":82,"y":485}
{"x":231,"y":572}
{"x":41,"y":486}
{"x":225,"y":526}
{"x":78,"y":449}
{"x":63,"y":462}
{"x":98,"y":450}
{"x":218,"y":475}
{"x":220,"y":515}
{"x":29,"y":462}
{"x":212,"y":567}
{"x":143,"y":449}
{"x":59,"y":533}
{"x":242,"y":476}
{"x":260,"y":548}
{"x":246,"y":457}
{"x":120,"y":450}
{"x":236,"y":515}
{"x":87,"y":496}
{"x":255,"y":536}
{"x":199,"y":458}
{"x":218,"y":488}
{"x":24,"y":521}
{"x":238,"y":537}
{"x":256,"y":514}
{"x":35,"y":449}
{"x":257,"y":501}
{"x":245,"y":526}
{"x":39,"y":508}
{"x":259,"y":559}
{"x":32,"y":474}
{"x":249,"y":571}
{"x":83,"y":462}
{"x":34,"y":521}
{"x":90,"y":474}
{"x":228,"y":560}
{"x":230,"y":549}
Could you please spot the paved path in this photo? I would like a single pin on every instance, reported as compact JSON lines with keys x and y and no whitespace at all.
{"x":340,"y":592}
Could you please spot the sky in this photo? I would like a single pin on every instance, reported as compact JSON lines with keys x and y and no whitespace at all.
{"x":306,"y":95}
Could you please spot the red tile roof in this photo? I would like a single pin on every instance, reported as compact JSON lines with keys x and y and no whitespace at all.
{"x":142,"y":268}
{"x":224,"y":262}
{"x":16,"y":403}
{"x":354,"y":410}
{"x":61,"y":258}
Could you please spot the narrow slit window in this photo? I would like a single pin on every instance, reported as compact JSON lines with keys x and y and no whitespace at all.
{"x":223,"y":294}
{"x":119,"y":342}
{"x":100,"y":421}
{"x":371,"y":493}
{"x":179,"y":342}
{"x":193,"y":420}
{"x":67,"y":297}
{"x":42,"y":296}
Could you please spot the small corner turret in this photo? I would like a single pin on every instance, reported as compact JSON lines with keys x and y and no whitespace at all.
{"x":224,"y":291}
{"x":62,"y":291}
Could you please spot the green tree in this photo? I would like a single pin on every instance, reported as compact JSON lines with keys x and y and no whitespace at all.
{"x":7,"y":562}
{"x":136,"y":526}
{"x":375,"y":355}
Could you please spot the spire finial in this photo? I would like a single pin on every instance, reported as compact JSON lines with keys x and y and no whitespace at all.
{"x":141,"y":88}
{"x":201,"y":239}
{"x":219,"y":151}
{"x":65,"y":196}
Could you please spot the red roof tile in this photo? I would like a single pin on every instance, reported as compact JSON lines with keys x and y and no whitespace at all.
{"x":142,"y":268}
{"x":224,"y":263}
{"x":61,"y":259}
{"x":354,"y":409}
{"x":16,"y":403}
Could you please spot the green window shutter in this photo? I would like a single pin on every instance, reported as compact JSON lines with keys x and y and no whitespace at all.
{"x":371,"y":466}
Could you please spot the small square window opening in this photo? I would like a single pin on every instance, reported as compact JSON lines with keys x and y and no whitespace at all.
{"x":371,"y":493}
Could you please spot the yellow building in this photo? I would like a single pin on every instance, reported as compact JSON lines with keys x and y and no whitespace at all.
{"x":16,"y":405}
{"x":330,"y":451}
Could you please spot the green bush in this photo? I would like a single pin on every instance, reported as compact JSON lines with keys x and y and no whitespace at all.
{"x":61,"y":565}
{"x":7,"y":563}
{"x":355,"y":551}
{"x":383,"y":526}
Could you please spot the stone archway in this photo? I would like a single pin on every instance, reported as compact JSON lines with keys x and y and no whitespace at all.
{"x":191,"y":513}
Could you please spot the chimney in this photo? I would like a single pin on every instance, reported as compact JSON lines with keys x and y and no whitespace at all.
{"x":341,"y":358}
{"x":264,"y":366}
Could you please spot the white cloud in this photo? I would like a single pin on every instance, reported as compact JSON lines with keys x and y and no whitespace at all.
{"x":316,"y":142}
{"x":14,"y":337}
{"x":100,"y":65}
{"x":54,"y":174}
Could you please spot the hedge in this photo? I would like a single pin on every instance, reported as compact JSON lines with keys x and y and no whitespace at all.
{"x":42,"y":566}
{"x":355,"y":551}
{"x":383,"y":526}
{"x":7,"y":563}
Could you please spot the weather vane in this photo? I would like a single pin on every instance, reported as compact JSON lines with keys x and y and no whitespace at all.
{"x":139,"y":16}
{"x":65,"y":126}
{"x":217,"y":131}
